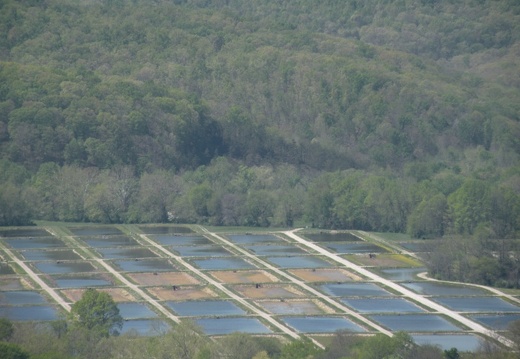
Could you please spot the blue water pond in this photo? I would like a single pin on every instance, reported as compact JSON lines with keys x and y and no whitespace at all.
{"x":415,"y":323}
{"x":321,"y":324}
{"x":221,"y":326}
{"x":354,"y":290}
{"x":382,"y":305}
{"x":205,"y":308}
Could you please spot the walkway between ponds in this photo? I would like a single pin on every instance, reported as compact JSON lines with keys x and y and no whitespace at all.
{"x":119,"y":276}
{"x":300,"y":284}
{"x":221,"y":287}
{"x":400,"y":289}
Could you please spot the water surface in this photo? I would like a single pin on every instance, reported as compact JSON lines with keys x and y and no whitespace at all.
{"x":415,"y":323}
{"x":221,"y":326}
{"x":496,"y":321}
{"x":354,"y":290}
{"x":321,"y":324}
{"x":254,"y":238}
{"x":299,"y":262}
{"x":52,"y":255}
{"x":275,"y":250}
{"x":145,"y":327}
{"x":29,"y":313}
{"x":478,"y":304}
{"x":332,"y":237}
{"x":169,"y":240}
{"x":205,"y":308}
{"x":40,"y":242}
{"x":382,"y":305}
{"x":59,"y":267}
{"x":21,"y":297}
{"x":432,"y":288}
{"x":463,"y":342}
{"x":135,"y":311}
{"x":223,"y":263}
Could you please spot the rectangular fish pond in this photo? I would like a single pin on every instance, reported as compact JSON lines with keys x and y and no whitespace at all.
{"x":402,"y":274}
{"x":292,"y":307}
{"x":463,"y":342}
{"x":130,"y":253}
{"x":354,"y":290}
{"x":415,"y":323}
{"x":110,"y":241}
{"x":254,"y":238}
{"x":354,"y":248}
{"x":322,"y":324}
{"x":275,"y":250}
{"x":204,"y":308}
{"x":34,"y":232}
{"x":62,"y":267}
{"x":146,"y":265}
{"x":165,"y":229}
{"x":382,"y":305}
{"x":202,"y":251}
{"x":95,"y":231}
{"x":477,"y":304}
{"x":135,"y":311}
{"x":332,"y":237}
{"x":439,"y":289}
{"x":145,"y":327}
{"x":299,"y":262}
{"x":29,"y":313}
{"x":80,"y":281}
{"x":39,"y":242}
{"x":22,"y":297}
{"x":170,"y":240}
{"x":222,"y":326}
{"x":222,"y":263}
{"x":496,"y":321}
{"x":50,"y":255}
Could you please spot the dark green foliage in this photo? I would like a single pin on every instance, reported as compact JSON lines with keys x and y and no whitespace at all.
{"x":97,"y":312}
{"x":12,"y":351}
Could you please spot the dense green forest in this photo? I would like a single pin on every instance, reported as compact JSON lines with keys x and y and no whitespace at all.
{"x":399,"y":116}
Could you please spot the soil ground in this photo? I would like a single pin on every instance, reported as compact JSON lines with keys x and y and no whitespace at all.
{"x":163,"y":278}
{"x":182,"y":293}
{"x":382,"y":260}
{"x":118,"y":294}
{"x":237,"y":277}
{"x":269,"y":291}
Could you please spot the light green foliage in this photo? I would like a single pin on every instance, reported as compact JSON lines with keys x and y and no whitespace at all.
{"x":300,"y":349}
{"x":97,"y":311}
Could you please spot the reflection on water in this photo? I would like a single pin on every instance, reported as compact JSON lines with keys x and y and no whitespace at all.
{"x":254,"y":238}
{"x":415,"y":322}
{"x":382,"y":305}
{"x":478,"y":304}
{"x":354,"y":290}
{"x":21,"y":297}
{"x":321,"y":324}
{"x":221,"y":326}
{"x":182,"y":240}
{"x":203,"y":251}
{"x":463,"y":342}
{"x":205,"y":308}
{"x":119,"y":253}
{"x":276,"y":250}
{"x":353,"y":248}
{"x":135,"y":311}
{"x":29,"y":313}
{"x":222,"y":263}
{"x":53,"y":255}
{"x":165,"y":229}
{"x":299,"y":262}
{"x":81,"y":282}
{"x":332,"y":237}
{"x":95,"y":231}
{"x":59,"y":267}
{"x":43,"y":242}
{"x":443,"y":289}
{"x":145,"y":327}
{"x":402,"y":274}
{"x":496,"y":321}
{"x":36,"y":232}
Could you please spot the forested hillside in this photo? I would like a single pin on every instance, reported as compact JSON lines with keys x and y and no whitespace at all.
{"x":378,"y":115}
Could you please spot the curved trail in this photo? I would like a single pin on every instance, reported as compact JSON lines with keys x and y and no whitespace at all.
{"x":402,"y":290}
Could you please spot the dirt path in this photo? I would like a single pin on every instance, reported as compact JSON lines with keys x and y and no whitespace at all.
{"x":37,"y":279}
{"x":402,"y":290}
